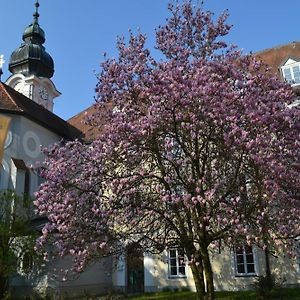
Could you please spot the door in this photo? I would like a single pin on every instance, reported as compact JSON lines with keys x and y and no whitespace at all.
{"x":135,"y":270}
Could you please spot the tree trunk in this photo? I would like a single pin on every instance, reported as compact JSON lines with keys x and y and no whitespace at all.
{"x":268,"y":269}
{"x":270,"y":281}
{"x":3,"y":286}
{"x":197,"y":270}
{"x":210,"y":292}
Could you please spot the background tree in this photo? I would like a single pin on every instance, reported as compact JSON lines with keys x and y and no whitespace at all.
{"x":192,"y":149}
{"x":17,"y":237}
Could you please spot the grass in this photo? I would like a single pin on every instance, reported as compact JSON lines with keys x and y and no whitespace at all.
{"x":165,"y":295}
{"x":278,"y":294}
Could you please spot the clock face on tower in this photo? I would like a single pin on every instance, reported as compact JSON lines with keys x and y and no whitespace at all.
{"x":43,"y":93}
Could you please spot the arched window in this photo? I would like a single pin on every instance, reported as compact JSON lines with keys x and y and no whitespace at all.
{"x":26,"y":262}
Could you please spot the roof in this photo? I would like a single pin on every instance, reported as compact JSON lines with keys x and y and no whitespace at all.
{"x":13,"y":102}
{"x":276,"y":56}
{"x":78,"y":121}
{"x":90,"y":132}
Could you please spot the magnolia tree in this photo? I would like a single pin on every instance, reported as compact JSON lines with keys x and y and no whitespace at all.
{"x":190,"y":150}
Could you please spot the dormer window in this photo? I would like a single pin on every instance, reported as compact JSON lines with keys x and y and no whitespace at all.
{"x":291,"y":71}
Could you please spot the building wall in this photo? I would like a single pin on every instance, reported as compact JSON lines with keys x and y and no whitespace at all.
{"x":285,"y":268}
{"x":95,"y":280}
{"x":49,"y":279}
{"x":24,"y":141}
{"x":119,"y":271}
{"x":225,"y":274}
{"x":157,"y":275}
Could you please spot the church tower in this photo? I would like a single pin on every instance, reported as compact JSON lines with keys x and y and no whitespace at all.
{"x":32,"y":67}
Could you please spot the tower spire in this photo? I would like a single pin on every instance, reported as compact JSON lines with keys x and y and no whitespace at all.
{"x":36,"y":14}
{"x":32,"y":66}
{"x":31,"y":57}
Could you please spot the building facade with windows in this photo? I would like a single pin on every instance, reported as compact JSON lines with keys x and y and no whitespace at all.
{"x":284,"y":61}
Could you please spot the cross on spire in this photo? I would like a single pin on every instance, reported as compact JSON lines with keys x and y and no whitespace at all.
{"x":36,"y":14}
{"x":2,"y":61}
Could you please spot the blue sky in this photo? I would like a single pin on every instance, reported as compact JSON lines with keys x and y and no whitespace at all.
{"x":78,"y":32}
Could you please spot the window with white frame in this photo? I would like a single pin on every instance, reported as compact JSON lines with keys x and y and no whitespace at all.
{"x":291,"y":71}
{"x":176,"y":263}
{"x":245,"y":261}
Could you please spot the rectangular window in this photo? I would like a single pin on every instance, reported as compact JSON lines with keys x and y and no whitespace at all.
{"x":244,"y":258}
{"x":296,"y":71}
{"x":287,"y":75}
{"x":292,"y":74}
{"x":176,"y":262}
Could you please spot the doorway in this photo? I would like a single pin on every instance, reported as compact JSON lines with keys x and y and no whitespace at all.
{"x":135,"y":269}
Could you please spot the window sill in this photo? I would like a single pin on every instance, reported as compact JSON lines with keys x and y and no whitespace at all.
{"x":177,"y":277}
{"x":245,"y":275}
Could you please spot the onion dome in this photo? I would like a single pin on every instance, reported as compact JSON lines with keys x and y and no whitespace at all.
{"x":31,"y":57}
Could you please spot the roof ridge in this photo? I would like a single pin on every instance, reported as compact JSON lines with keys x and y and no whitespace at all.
{"x":82,"y":112}
{"x":276,"y":47}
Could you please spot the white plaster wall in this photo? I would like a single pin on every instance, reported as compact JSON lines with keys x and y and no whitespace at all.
{"x":97,"y":277}
{"x":224,"y":272}
{"x":24,"y":142}
{"x":158,"y":270}
{"x":149,"y":272}
{"x":25,"y":139}
{"x":119,"y":271}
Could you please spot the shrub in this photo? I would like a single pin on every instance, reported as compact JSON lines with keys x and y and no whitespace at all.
{"x":265,"y":284}
{"x":166,"y":289}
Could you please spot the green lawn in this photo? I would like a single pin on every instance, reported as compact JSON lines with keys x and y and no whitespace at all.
{"x":280,"y":294}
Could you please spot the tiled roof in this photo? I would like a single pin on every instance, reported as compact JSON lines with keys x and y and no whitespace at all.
{"x":13,"y":102}
{"x":90,"y":132}
{"x":276,"y":56}
{"x":78,"y":122}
